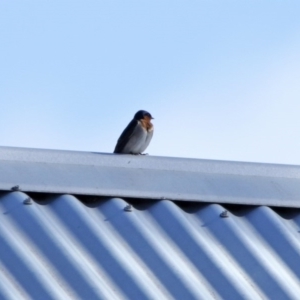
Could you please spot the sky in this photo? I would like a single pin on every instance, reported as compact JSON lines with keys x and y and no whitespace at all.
{"x":221,"y":78}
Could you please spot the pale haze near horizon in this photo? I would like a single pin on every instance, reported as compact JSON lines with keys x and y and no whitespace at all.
{"x":220,"y":79}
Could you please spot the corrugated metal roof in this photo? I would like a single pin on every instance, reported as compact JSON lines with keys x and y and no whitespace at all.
{"x":62,"y":248}
{"x":149,"y":177}
{"x":75,"y":241}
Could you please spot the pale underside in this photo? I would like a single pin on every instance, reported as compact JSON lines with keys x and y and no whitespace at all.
{"x":139,"y":140}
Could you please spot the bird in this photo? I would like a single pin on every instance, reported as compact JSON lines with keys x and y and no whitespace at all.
{"x":137,"y":135}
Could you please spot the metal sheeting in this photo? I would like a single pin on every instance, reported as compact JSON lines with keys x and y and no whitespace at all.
{"x":67,"y":250}
{"x":53,"y":171}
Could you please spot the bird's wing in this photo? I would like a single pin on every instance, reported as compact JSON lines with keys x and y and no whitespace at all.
{"x":125,"y":136}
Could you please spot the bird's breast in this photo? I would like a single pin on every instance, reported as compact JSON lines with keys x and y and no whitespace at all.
{"x":137,"y":140}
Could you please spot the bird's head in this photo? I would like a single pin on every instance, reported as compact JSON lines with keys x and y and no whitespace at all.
{"x":142,"y":114}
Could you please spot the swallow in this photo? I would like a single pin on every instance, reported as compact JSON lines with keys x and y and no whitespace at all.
{"x":137,"y":135}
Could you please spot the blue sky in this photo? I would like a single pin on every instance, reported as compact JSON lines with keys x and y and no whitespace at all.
{"x":221,"y":78}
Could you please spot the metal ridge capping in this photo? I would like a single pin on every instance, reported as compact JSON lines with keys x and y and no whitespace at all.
{"x":151,"y":177}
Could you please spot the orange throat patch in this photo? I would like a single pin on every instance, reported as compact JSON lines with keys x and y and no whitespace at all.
{"x":146,"y":123}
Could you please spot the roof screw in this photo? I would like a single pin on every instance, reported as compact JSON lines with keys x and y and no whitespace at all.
{"x":27,"y":201}
{"x":128,"y":208}
{"x":15,"y":188}
{"x":224,"y":214}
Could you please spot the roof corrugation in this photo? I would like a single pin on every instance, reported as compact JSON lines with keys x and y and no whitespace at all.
{"x":66,"y":249}
{"x":149,"y":177}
